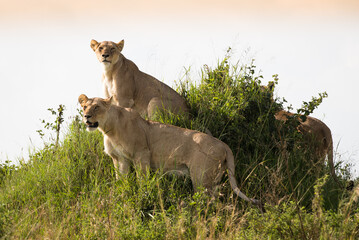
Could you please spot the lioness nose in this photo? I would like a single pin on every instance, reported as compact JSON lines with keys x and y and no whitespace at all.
{"x":105,"y":55}
{"x":87,"y":116}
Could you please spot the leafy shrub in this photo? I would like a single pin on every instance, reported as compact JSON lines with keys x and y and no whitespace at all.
{"x":273,"y":161}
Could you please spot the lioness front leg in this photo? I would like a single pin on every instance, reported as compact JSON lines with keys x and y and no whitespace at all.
{"x":125,"y":102}
{"x":120,"y":163}
{"x":142,"y":160}
{"x":105,"y":91}
{"x":121,"y":166}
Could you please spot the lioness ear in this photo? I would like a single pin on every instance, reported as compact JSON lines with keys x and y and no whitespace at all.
{"x":112,"y":100}
{"x":94,"y":44}
{"x":108,"y":101}
{"x":120,"y":45}
{"x":83,"y":99}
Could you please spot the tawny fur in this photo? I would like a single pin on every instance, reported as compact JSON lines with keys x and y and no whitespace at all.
{"x":132,"y":88}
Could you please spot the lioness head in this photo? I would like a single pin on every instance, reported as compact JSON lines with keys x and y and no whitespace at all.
{"x":108,"y":53}
{"x":94,"y":111}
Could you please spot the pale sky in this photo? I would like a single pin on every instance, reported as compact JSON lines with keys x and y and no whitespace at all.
{"x":46,"y":60}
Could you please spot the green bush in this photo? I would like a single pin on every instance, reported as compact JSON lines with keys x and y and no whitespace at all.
{"x":272,"y":160}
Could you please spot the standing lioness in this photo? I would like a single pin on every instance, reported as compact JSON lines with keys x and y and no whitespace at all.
{"x":129,"y":139}
{"x":132,"y":88}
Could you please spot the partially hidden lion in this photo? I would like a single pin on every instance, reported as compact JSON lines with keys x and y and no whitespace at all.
{"x":317,"y":134}
{"x":132,"y":88}
{"x":130,"y":139}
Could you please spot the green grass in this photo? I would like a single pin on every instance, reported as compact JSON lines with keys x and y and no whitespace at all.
{"x":68,"y":190}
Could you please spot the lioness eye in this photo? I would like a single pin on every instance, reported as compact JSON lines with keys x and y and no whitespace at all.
{"x":100,"y":48}
{"x":96,"y":108}
{"x":85,"y":107}
{"x":112,"y":49}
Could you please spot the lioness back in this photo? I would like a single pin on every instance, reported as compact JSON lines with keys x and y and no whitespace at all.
{"x":175,"y":143}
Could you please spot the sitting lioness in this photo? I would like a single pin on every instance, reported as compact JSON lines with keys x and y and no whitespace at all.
{"x":130,"y":139}
{"x":132,"y":88}
{"x":317,"y":134}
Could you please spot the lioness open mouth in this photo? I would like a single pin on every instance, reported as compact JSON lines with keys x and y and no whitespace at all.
{"x":92,"y":125}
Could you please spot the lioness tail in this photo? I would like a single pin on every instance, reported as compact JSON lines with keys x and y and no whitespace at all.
{"x":233,"y":181}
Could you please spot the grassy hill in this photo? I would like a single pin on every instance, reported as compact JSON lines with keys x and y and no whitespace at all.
{"x":68,"y":190}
